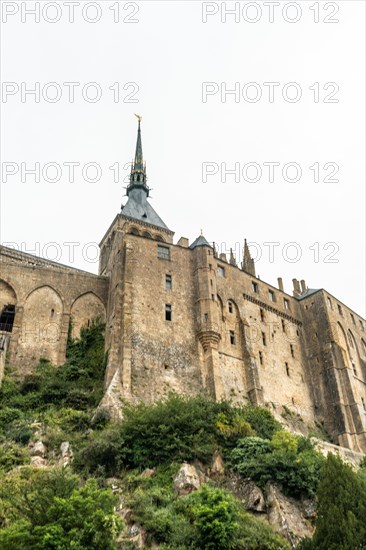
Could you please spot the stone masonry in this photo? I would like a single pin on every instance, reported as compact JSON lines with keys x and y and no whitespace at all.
{"x":182,"y":318}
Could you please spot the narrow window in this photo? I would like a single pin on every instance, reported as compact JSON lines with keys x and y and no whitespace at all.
{"x":292,"y":350}
{"x":220,"y":271}
{"x":211,"y":282}
{"x":350,"y":339}
{"x":264,"y":339}
{"x":354,"y":369}
{"x":340,"y":310}
{"x":361,"y":325}
{"x":232,"y":337}
{"x":363,"y":403}
{"x":286,"y":303}
{"x":52,"y":313}
{"x":213,"y":297}
{"x":329,"y":303}
{"x":206,"y":317}
{"x":255,"y":287}
{"x":287,"y":369}
{"x":163,"y":252}
{"x":168,"y":312}
{"x":293,"y":400}
{"x":283,"y":325}
{"x":271,"y":295}
{"x":353,"y":319}
{"x":261,"y":358}
{"x":230,"y":306}
{"x":168,"y":281}
{"x":261,"y":311}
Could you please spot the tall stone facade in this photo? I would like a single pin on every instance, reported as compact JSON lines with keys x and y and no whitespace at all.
{"x":182,"y":318}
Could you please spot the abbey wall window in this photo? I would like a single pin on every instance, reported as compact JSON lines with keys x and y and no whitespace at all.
{"x":353,"y":319}
{"x":271,"y":295}
{"x":255,"y":287}
{"x":163,"y":252}
{"x":168,"y":281}
{"x":168,"y":312}
{"x":340,"y":310}
{"x":329,"y":302}
{"x":287,"y":369}
{"x":220,"y":271}
{"x":264,"y":340}
{"x":286,"y":303}
{"x":261,"y":358}
{"x":230,"y":307}
{"x":232,"y":337}
{"x":261,"y":311}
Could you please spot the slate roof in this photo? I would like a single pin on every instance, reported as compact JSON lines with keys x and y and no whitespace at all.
{"x":307,"y":293}
{"x":200,"y":241}
{"x":140,"y":209}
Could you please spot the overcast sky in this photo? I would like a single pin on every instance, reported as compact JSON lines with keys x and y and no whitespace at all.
{"x":297,"y":101}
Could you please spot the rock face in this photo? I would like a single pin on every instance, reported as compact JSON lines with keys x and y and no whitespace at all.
{"x":38,"y":449}
{"x":286,"y":517}
{"x":66,"y":454}
{"x":247,"y":492}
{"x":218,"y":467}
{"x":188,"y":479}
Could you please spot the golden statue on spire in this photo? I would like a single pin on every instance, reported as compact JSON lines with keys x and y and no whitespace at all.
{"x":139,"y":118}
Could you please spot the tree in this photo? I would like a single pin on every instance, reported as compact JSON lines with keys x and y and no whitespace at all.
{"x":48,"y":509}
{"x":340,"y":523}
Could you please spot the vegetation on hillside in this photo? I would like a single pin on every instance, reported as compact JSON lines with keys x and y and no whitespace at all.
{"x":56,"y":507}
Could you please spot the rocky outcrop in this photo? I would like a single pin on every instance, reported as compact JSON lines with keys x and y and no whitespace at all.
{"x":247,"y":492}
{"x":286,"y":516}
{"x":66,"y":454}
{"x":189,"y":478}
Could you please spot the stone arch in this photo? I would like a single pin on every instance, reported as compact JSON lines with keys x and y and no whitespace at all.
{"x":133,"y":231}
{"x":147,"y":235}
{"x":84,"y":310}
{"x":8,"y":302}
{"x":363,"y":347}
{"x":41,"y":329}
{"x":159,"y":238}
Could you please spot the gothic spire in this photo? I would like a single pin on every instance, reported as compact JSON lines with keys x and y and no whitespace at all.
{"x":248,"y":262}
{"x":138,"y":169}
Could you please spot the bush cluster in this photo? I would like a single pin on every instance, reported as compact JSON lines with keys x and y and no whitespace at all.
{"x":176,"y":429}
{"x":288,"y":460}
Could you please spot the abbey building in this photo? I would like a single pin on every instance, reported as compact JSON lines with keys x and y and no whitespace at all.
{"x":180,"y":317}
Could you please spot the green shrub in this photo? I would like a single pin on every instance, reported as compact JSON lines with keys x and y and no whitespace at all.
{"x":215,"y":517}
{"x":262,"y":421}
{"x":287,"y":460}
{"x":12,"y":455}
{"x":48,"y":509}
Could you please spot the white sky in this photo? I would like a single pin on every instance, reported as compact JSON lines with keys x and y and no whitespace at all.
{"x":169,"y":53}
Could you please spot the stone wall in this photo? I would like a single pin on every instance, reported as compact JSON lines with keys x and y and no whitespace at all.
{"x":45,"y":295}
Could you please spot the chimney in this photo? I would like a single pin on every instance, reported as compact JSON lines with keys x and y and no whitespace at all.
{"x":303,"y":285}
{"x":183,"y":242}
{"x":280,"y":283}
{"x":296,"y":291}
